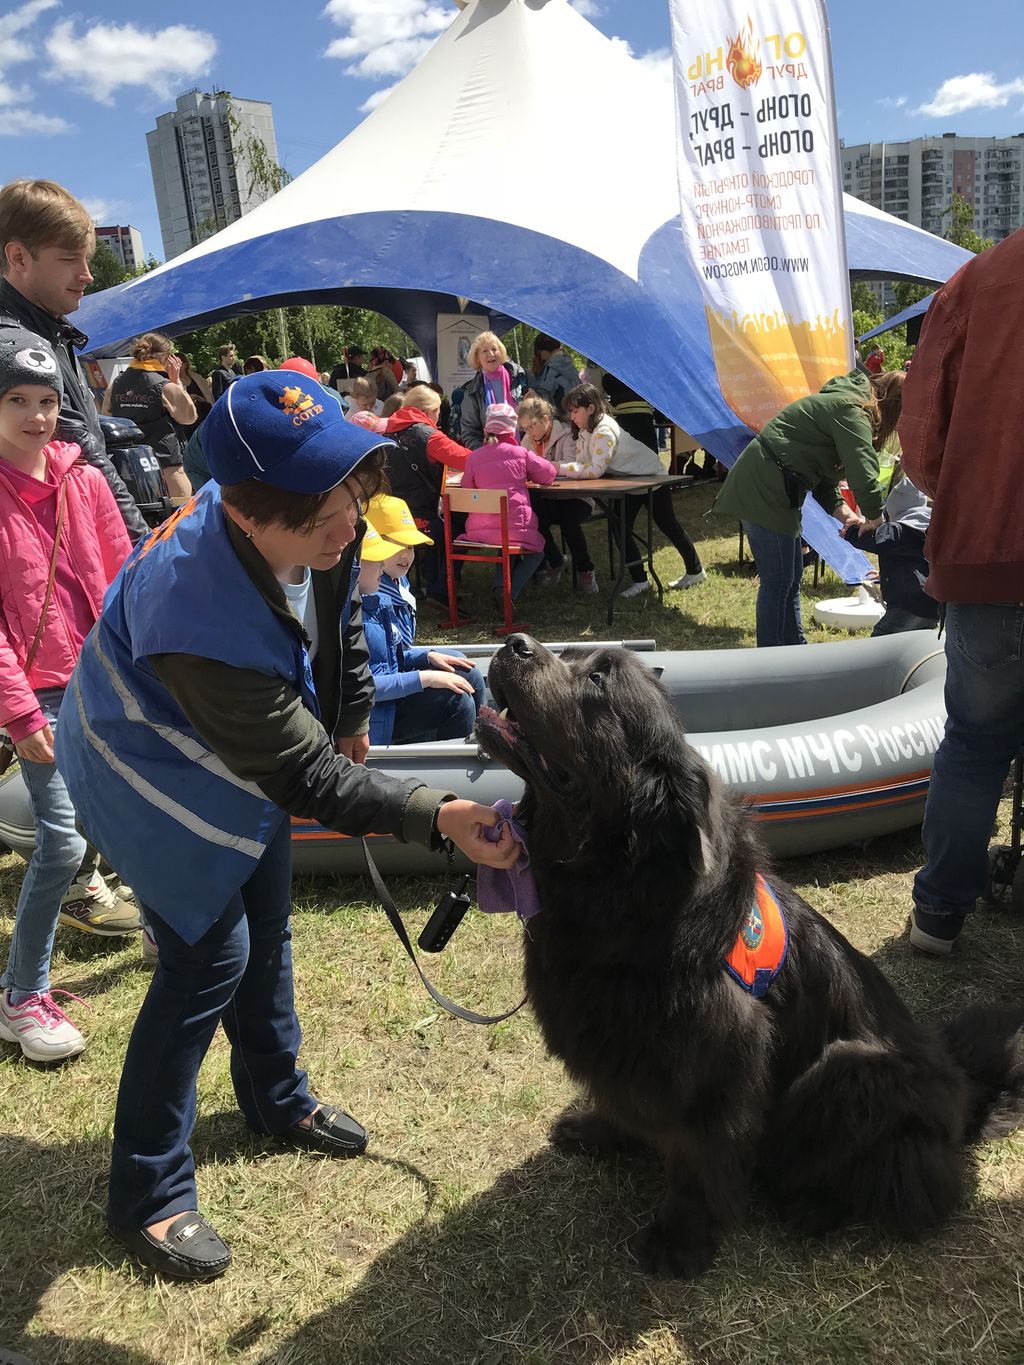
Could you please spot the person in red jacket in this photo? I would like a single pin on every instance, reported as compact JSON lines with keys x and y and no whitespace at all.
{"x":416,"y":473}
{"x":62,"y":540}
{"x":963,"y":414}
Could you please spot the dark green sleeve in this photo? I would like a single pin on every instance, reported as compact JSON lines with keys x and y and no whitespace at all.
{"x":357,"y":690}
{"x":258,"y":727}
{"x":851,"y":432}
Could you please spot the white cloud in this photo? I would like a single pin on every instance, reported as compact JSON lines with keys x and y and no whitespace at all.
{"x":19,"y":118}
{"x":377,"y":98}
{"x":22,"y":122}
{"x":386,"y":38}
{"x":888,"y":102}
{"x":104,"y":57}
{"x":590,"y":9}
{"x":102,"y":210}
{"x":658,"y":62}
{"x":977,"y":90}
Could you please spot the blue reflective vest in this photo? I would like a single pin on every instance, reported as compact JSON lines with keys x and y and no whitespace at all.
{"x":177,"y":825}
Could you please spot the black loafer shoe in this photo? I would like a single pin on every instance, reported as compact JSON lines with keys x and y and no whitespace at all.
{"x":331,"y":1131}
{"x":188,"y":1250}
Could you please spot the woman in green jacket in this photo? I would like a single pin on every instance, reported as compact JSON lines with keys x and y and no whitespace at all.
{"x":807,"y":448}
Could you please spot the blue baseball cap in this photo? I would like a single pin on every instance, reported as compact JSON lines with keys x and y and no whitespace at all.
{"x":286,"y":430}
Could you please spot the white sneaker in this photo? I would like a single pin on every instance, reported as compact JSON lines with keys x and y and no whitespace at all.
{"x":40,"y":1027}
{"x":689,"y":580}
{"x":586,"y":582}
{"x":636,"y":589}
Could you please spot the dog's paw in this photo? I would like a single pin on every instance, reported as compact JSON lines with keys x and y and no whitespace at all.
{"x":668,"y":1253}
{"x":583,"y":1130}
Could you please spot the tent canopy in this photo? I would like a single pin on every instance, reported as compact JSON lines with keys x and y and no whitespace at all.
{"x":916,"y":310}
{"x":406,"y":217}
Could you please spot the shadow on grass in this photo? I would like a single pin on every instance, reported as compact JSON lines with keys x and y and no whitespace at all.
{"x":536,"y":1269}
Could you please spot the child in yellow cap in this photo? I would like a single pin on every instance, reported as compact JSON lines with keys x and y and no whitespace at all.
{"x":422,"y":694}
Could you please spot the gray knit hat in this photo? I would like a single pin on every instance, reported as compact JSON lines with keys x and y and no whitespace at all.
{"x":27,"y":359}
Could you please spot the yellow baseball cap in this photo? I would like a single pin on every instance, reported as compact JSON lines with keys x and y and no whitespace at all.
{"x":390,"y":517}
{"x":375,"y":549}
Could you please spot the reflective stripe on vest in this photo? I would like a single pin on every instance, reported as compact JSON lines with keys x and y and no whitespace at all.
{"x":761,"y":945}
{"x":186,"y":818}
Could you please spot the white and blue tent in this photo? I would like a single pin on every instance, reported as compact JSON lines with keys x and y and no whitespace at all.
{"x":463,"y":186}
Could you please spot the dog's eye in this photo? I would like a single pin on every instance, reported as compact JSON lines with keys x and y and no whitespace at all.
{"x":597,"y":679}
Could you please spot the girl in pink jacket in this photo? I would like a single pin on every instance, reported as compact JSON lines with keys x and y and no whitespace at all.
{"x":62,"y":540}
{"x":503,"y":463}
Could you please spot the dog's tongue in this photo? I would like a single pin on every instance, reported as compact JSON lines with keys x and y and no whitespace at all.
{"x":499,"y":719}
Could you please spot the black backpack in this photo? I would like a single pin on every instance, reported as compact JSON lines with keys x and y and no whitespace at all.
{"x":137,"y":466}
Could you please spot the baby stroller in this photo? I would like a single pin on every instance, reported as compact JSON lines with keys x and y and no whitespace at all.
{"x":1005,"y":864}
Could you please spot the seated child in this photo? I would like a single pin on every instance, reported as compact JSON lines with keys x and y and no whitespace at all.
{"x":503,"y":463}
{"x":902,"y":567}
{"x":422,"y":694}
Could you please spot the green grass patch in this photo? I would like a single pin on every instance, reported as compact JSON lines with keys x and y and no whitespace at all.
{"x":462,"y":1237}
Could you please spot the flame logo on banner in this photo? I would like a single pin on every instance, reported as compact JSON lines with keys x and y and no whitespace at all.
{"x":744,"y":57}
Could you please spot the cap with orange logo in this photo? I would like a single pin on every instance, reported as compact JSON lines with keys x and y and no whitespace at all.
{"x":285,"y":430}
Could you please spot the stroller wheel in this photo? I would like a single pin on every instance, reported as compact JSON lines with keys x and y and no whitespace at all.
{"x":1017,"y":889}
{"x":1003,"y":864}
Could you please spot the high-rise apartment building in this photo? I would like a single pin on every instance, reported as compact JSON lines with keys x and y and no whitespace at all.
{"x":200,"y":158}
{"x":125,"y":243}
{"x":916,"y":180}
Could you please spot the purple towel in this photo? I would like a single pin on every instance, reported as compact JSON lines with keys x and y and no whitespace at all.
{"x":504,"y":890}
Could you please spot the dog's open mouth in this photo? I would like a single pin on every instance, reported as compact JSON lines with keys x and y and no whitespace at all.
{"x":502,"y":722}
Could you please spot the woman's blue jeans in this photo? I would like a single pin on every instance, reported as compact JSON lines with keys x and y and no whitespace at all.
{"x":238,"y":974}
{"x":56,"y":858}
{"x":984,"y":730}
{"x":780,"y":567}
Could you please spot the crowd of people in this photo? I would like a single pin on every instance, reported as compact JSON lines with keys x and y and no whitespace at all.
{"x":175,"y":728}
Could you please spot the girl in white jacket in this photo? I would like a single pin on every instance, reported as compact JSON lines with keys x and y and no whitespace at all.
{"x":603,"y":448}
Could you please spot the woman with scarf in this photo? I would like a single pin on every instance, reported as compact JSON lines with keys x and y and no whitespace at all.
{"x":496,"y":381}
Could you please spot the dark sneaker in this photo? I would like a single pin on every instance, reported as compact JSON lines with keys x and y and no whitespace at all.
{"x":934,"y":934}
{"x":91,"y":906}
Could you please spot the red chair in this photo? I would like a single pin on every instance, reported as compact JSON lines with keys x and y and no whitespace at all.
{"x":493,"y":501}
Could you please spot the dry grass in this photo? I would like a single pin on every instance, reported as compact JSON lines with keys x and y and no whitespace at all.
{"x":463,"y":1237}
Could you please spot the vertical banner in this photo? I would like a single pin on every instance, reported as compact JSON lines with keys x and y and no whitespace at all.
{"x":761,"y":194}
{"x":456,"y":332}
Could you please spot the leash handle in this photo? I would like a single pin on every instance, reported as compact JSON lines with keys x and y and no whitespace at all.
{"x":395,"y":920}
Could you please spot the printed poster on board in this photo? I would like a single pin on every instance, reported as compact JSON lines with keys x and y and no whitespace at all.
{"x":456,"y":333}
{"x":761,"y":195}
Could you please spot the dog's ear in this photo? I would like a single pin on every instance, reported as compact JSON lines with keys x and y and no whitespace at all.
{"x":668,"y":813}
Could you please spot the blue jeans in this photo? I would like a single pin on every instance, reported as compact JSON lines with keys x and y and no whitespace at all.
{"x":984,"y":730}
{"x":239,"y":974}
{"x":56,"y":858}
{"x":780,"y":567}
{"x":436,"y":713}
{"x":523,"y":569}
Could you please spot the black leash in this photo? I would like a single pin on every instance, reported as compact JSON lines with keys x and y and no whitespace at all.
{"x":395,"y":919}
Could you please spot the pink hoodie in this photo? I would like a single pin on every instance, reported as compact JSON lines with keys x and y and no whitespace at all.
{"x":506,"y":465}
{"x":94,"y":545}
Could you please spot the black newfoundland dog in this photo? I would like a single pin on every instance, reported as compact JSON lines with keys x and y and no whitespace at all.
{"x":821,"y":1090}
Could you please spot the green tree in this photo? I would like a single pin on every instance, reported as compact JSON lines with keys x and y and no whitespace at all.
{"x":107,"y":269}
{"x":960,"y":228}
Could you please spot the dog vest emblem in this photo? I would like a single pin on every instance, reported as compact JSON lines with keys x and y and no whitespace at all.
{"x":761,"y":945}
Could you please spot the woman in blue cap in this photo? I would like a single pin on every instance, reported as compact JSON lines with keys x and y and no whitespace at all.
{"x":192,"y":730}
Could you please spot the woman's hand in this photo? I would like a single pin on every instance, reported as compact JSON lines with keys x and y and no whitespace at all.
{"x":464,"y":822}
{"x":449,"y":662}
{"x":435,"y":678}
{"x":38,"y":747}
{"x":353,"y":747}
{"x":173,"y":368}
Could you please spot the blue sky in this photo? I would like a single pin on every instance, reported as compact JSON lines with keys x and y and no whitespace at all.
{"x":80,"y":86}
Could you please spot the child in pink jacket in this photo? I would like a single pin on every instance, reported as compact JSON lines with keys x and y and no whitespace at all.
{"x":504,"y":463}
{"x":44,"y":486}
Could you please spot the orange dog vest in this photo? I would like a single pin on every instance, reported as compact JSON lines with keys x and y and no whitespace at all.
{"x":761,"y":945}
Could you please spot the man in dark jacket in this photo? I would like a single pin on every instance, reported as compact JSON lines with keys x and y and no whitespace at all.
{"x":963,"y":411}
{"x":46,"y":240}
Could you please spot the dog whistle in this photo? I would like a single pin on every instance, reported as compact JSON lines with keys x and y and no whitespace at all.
{"x":446,"y":919}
